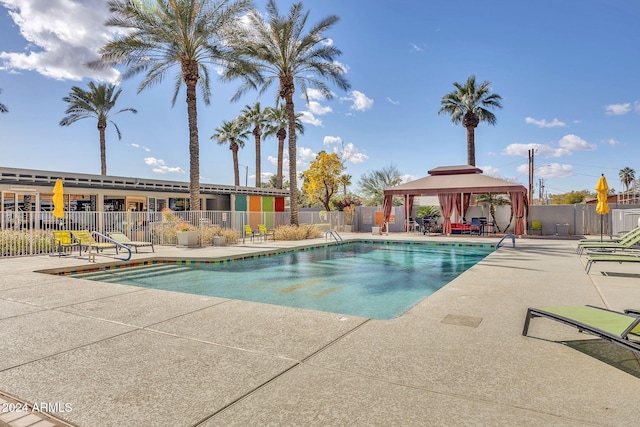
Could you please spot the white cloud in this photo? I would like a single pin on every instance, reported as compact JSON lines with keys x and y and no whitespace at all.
{"x":351,"y":154}
{"x":273,"y":160}
{"x":391,"y":101}
{"x":359,"y":100}
{"x":158,"y":166}
{"x":566,"y":145}
{"x":318,"y":109}
{"x":552,"y":170}
{"x":541,"y":150}
{"x":347,"y":152}
{"x":415,"y":47}
{"x":617,"y":109}
{"x":544,"y":124}
{"x":490,"y":170}
{"x":142,"y":147}
{"x":306,"y":153}
{"x":612,"y":141}
{"x":62,"y":36}
{"x":575,"y":143}
{"x":307,"y":117}
{"x":314,"y":95}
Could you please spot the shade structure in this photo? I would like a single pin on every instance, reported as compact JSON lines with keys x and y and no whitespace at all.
{"x":58,"y":199}
{"x":602,"y":208}
{"x":452,"y":182}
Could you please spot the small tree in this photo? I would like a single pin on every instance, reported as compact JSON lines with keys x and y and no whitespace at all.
{"x":321,"y":181}
{"x":493,"y":200}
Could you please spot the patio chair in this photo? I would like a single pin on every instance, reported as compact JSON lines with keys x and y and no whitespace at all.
{"x":615,"y":257}
{"x":123,"y":239}
{"x":627,"y":242}
{"x":621,"y":236}
{"x":61,"y":241}
{"x":606,"y":324}
{"x":476,"y":226}
{"x":248,"y":232}
{"x":264,"y":233}
{"x":85,"y":240}
{"x":536,"y":226}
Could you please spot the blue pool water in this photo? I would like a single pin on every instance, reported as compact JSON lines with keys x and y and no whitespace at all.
{"x":373,"y":280}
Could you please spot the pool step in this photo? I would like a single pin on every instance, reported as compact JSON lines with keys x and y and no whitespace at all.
{"x":133,"y":273}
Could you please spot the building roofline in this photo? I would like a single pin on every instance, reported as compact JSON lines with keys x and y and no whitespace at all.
{"x":70,"y":179}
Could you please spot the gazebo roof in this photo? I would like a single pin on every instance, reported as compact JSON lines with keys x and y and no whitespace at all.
{"x":455,"y":179}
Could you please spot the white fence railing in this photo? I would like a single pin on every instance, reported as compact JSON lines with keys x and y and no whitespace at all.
{"x":31,"y":233}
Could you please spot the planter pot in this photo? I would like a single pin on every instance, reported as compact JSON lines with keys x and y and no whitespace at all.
{"x":348,"y":228}
{"x":219,"y":241}
{"x":187,"y":238}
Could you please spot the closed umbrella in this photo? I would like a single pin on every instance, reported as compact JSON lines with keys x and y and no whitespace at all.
{"x":58,"y":199}
{"x":602,"y":208}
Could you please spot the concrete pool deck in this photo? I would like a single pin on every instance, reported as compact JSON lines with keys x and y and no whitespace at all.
{"x":113,"y":355}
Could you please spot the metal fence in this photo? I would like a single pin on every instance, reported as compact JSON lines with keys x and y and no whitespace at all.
{"x":31,"y":233}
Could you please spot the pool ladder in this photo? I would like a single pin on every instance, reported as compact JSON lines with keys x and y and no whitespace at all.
{"x":513,"y":240}
{"x":335,"y":235}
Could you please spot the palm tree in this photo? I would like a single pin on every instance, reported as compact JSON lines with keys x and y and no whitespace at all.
{"x":493,"y":200}
{"x":275,"y":48}
{"x":277,"y":125}
{"x":3,"y":108}
{"x":235,"y":134}
{"x":97,"y":102}
{"x":163,"y":34}
{"x":627,"y":176}
{"x":253,"y":115}
{"x":373,"y":184}
{"x":345,"y":181}
{"x":468,"y":105}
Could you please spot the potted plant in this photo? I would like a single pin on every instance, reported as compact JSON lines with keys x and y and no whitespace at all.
{"x":187,"y":234}
{"x":348,"y":212}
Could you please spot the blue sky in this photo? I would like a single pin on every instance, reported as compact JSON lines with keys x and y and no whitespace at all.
{"x":566,"y":70}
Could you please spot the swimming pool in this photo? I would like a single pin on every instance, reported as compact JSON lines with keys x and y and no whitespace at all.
{"x":367,"y":279}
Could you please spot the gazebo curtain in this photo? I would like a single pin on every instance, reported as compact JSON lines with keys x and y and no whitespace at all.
{"x":386,"y":209}
{"x":462,"y":203}
{"x":447,"y":205}
{"x":517,"y":202}
{"x":408,"y":207}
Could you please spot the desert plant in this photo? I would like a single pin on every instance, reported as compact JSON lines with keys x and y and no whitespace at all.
{"x":292,"y":232}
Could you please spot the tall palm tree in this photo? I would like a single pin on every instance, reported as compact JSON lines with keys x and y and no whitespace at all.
{"x":277,"y":125}
{"x":627,"y":176}
{"x":276,"y":48}
{"x":254,"y":115}
{"x":469,"y":104}
{"x":3,"y":108}
{"x":162,"y":34}
{"x":97,"y":102}
{"x":234,"y":134}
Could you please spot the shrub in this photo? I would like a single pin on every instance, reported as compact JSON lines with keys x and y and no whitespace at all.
{"x":301,"y":232}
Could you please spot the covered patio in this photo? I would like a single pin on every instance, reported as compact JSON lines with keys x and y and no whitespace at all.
{"x":454,"y":186}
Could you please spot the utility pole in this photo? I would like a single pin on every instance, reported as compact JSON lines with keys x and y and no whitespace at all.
{"x":541,"y":191}
{"x":531,"y":155}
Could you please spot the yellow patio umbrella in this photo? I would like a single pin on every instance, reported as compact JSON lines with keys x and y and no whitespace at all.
{"x":58,"y":199}
{"x":602,"y":208}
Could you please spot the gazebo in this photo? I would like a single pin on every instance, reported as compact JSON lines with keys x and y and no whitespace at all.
{"x":454,"y":186}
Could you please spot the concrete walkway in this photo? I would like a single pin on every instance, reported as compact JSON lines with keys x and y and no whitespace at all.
{"x":113,"y":355}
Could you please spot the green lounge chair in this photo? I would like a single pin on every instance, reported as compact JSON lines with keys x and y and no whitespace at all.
{"x":85,"y":240}
{"x":620,"y":236}
{"x":606,"y":324}
{"x":619,"y":257}
{"x":124,"y":240}
{"x":628,"y":242}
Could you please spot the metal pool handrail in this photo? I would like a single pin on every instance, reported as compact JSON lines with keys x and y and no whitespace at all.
{"x":335,"y":235}
{"x":513,"y":240}
{"x":110,"y":240}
